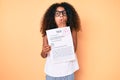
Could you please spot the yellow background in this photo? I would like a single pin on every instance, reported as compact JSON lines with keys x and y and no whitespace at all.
{"x":98,"y":44}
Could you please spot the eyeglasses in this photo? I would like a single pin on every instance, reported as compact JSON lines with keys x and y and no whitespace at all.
{"x":58,"y":13}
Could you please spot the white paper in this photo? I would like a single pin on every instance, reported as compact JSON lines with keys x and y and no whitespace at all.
{"x":61,"y":43}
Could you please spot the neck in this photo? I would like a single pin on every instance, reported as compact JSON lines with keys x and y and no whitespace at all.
{"x":63,"y":25}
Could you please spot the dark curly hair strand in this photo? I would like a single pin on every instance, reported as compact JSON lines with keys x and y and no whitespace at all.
{"x":48,"y":21}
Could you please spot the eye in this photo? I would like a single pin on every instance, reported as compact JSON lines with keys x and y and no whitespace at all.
{"x":64,"y":13}
{"x":57,"y":13}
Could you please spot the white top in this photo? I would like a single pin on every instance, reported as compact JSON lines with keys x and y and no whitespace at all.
{"x":60,"y":69}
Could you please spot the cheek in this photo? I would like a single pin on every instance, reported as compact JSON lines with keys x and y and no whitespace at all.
{"x":65,"y":19}
{"x":56,"y":20}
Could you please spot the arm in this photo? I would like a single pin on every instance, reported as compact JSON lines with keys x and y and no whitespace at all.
{"x":74,"y":36}
{"x":45,"y":47}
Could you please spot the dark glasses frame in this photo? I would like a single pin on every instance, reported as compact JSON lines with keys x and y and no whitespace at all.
{"x":58,"y":13}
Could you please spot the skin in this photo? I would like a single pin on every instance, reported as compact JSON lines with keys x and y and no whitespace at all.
{"x":61,"y":22}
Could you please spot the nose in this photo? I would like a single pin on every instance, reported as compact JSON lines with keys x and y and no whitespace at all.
{"x":61,"y":14}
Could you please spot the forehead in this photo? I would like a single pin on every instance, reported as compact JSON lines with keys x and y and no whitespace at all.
{"x":60,"y":8}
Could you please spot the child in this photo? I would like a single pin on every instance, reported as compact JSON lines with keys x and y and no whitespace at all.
{"x":60,"y":15}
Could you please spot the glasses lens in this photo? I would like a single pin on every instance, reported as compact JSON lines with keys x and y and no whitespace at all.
{"x":58,"y":13}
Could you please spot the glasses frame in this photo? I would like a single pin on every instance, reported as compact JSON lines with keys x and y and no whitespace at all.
{"x":58,"y":13}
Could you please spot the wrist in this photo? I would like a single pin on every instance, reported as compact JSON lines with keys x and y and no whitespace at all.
{"x":43,"y":54}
